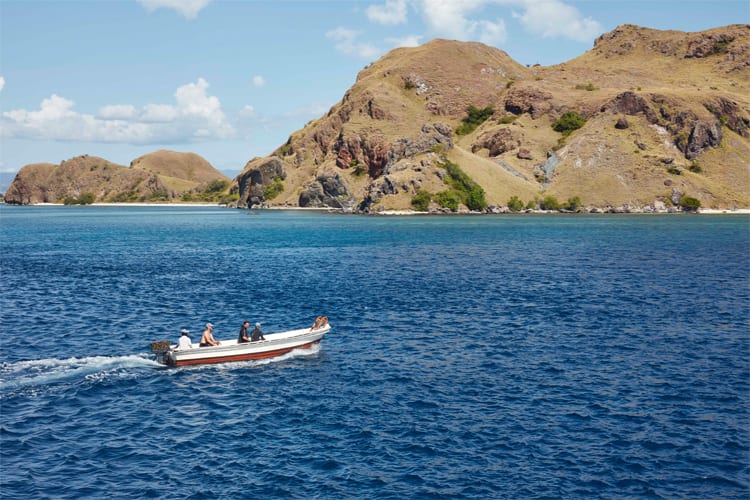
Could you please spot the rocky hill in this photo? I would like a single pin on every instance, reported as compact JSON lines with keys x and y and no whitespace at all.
{"x":159,"y":176}
{"x":640,"y":121}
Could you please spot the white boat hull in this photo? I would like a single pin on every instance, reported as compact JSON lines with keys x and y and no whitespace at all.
{"x":274,"y":345}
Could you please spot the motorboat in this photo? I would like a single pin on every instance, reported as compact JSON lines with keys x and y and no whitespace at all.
{"x":275,"y":344}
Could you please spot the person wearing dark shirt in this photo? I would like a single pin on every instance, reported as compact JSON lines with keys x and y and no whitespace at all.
{"x":256,"y":333}
{"x":243,"y":333}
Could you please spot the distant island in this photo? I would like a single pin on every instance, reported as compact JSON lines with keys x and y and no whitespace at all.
{"x":645,"y":121}
{"x":158,"y":177}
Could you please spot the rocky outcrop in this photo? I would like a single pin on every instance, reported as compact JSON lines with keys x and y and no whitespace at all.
{"x":631,"y":104}
{"x":375,"y":192}
{"x":530,"y":100}
{"x":707,"y":44}
{"x":730,"y":113}
{"x":703,"y":135}
{"x":430,"y":136}
{"x":253,"y":181}
{"x":328,"y":190}
{"x":373,"y":151}
{"x":370,"y":150}
{"x":497,"y":142}
{"x":544,"y":171}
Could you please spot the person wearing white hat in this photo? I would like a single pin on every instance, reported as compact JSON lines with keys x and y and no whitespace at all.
{"x":207,"y":339}
{"x":185,"y":342}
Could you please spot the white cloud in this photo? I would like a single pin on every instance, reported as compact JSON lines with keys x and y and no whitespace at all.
{"x":492,"y":33}
{"x":259,"y":81}
{"x":392,"y":12}
{"x":195,"y":116}
{"x":346,"y":43}
{"x":555,"y":19}
{"x":188,"y":8}
{"x":2,"y":83}
{"x":247,"y":111}
{"x":117,"y":112}
{"x":547,"y":18}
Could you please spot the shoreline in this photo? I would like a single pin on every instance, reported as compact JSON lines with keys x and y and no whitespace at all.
{"x":396,"y":213}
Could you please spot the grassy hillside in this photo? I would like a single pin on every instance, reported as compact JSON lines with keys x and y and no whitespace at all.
{"x":663,"y":114}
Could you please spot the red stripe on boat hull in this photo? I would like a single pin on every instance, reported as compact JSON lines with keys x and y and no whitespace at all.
{"x":245,"y":357}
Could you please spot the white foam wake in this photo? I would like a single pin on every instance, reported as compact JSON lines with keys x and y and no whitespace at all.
{"x":40,"y":372}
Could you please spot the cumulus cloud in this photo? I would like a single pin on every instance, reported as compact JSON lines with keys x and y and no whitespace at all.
{"x":461,"y":19}
{"x":188,"y":8}
{"x":555,"y":19}
{"x":392,"y":12}
{"x":259,"y":81}
{"x":2,"y":83}
{"x":346,"y":42}
{"x":450,"y":18}
{"x":194,"y":116}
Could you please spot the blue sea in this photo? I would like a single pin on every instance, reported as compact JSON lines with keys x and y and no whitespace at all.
{"x":533,"y":356}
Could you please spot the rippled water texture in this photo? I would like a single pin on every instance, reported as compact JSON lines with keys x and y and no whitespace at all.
{"x":484,"y":357}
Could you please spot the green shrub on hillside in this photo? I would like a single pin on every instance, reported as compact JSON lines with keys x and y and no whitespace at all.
{"x":469,"y":192}
{"x":689,"y":204}
{"x":573,"y":204}
{"x":568,"y":122}
{"x":515,"y":204}
{"x":421,"y":200}
{"x":549,"y":202}
{"x":226,"y":199}
{"x":216,"y":186}
{"x":448,"y":199}
{"x":158,"y":195}
{"x":475,"y":117}
{"x":126,"y":197}
{"x":674,"y":170}
{"x":359,"y":168}
{"x":274,"y":189}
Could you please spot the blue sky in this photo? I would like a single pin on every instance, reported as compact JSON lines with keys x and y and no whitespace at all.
{"x":232,"y":79}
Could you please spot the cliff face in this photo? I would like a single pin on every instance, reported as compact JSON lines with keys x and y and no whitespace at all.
{"x":665,"y":113}
{"x":161,"y":176}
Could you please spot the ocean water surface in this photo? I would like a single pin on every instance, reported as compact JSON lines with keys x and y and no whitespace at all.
{"x":470,"y":356}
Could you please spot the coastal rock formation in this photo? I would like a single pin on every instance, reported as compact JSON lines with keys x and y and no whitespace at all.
{"x":254,"y":180}
{"x":328,"y":190}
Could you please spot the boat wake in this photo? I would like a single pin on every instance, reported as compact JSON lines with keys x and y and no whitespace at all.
{"x":36,"y":374}
{"x":45,"y":372}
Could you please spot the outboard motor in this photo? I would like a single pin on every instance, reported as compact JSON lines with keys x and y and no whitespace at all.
{"x":163,"y":351}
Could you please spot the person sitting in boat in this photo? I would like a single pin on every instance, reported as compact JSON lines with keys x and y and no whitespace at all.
{"x":243,"y":333}
{"x":185,"y":342}
{"x":207,"y":339}
{"x":256,"y":333}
